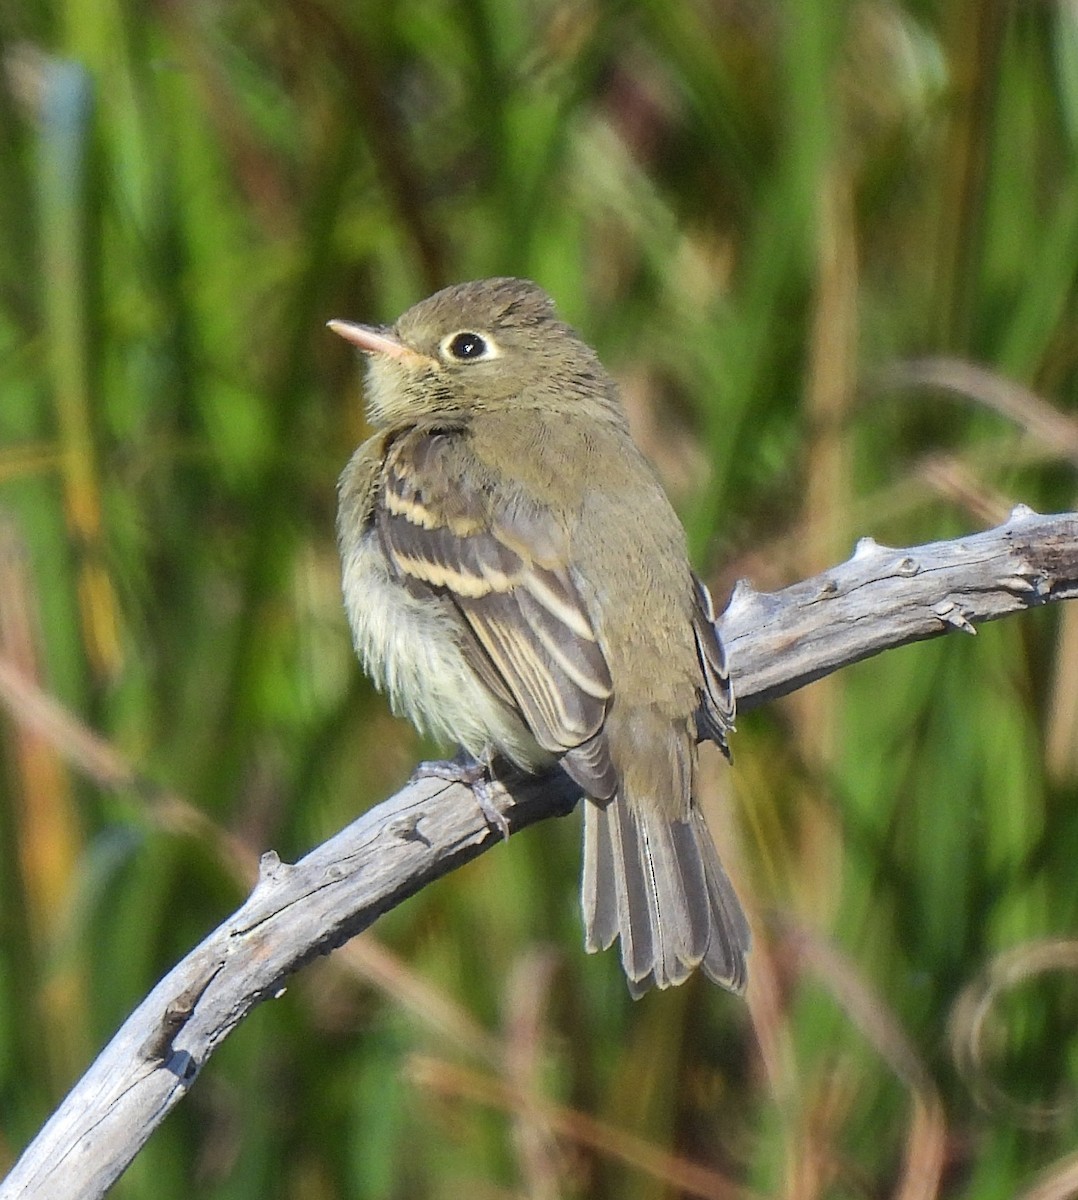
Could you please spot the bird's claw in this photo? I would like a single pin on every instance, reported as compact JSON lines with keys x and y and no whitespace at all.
{"x":478,"y":778}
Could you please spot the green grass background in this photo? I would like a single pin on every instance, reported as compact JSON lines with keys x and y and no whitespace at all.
{"x":755,"y":211}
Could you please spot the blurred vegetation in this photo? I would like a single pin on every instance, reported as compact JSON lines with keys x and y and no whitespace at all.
{"x":762,"y":215}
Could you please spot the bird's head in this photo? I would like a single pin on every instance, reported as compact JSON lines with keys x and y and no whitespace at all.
{"x":474,"y":347}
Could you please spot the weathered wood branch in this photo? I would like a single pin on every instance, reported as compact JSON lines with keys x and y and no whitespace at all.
{"x":881,"y":598}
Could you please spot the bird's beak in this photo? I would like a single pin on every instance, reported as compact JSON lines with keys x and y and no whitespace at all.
{"x":375,"y":340}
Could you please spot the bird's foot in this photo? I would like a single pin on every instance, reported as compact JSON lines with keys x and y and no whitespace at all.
{"x":478,"y":777}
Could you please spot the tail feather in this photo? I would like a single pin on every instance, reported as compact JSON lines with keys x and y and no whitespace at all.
{"x":633,"y":892}
{"x":659,"y":886}
{"x":599,"y":893}
{"x":724,"y":963}
{"x":677,"y":884}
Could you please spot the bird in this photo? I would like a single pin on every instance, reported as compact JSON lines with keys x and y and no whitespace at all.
{"x":518,"y":584}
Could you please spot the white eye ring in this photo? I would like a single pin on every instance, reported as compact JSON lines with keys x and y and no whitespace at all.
{"x":468,"y":346}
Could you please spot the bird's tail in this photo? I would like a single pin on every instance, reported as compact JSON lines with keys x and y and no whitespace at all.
{"x":658,"y":885}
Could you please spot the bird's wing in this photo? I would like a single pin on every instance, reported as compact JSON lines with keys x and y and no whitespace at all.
{"x":503,"y":561}
{"x":715,"y":714}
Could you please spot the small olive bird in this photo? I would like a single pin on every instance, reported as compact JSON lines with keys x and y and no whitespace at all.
{"x":518,"y":583}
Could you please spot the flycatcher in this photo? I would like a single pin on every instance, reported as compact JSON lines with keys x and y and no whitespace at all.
{"x":518,"y":583}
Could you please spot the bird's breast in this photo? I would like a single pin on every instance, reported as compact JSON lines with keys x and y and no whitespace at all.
{"x":410,"y":646}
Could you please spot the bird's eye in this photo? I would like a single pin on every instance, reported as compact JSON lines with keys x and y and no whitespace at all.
{"x":469,"y":347}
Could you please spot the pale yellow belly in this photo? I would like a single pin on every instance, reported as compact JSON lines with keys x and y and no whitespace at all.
{"x":411,"y":650}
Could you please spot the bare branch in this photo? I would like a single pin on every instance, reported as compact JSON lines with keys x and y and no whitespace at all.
{"x":883,"y":598}
{"x":879,"y":599}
